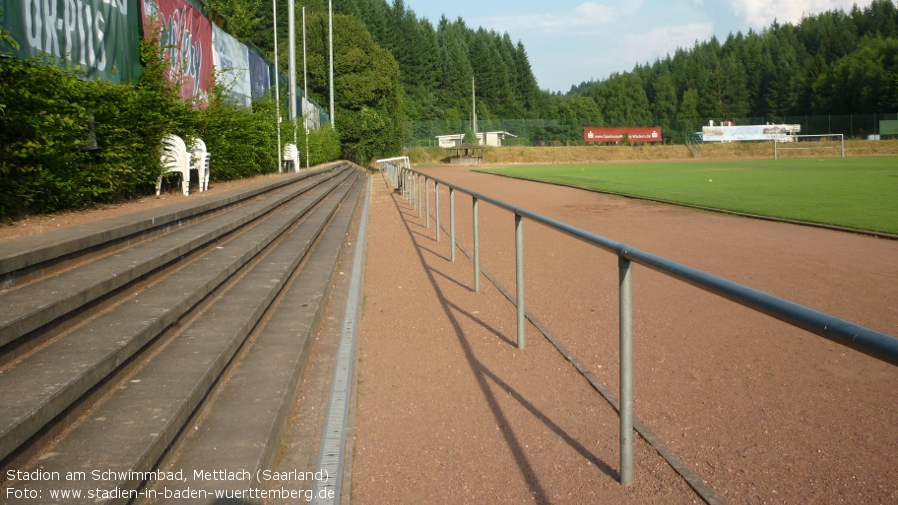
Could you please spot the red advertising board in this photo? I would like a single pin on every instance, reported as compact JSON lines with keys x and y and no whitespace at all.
{"x":602,"y":134}
{"x":186,"y":37}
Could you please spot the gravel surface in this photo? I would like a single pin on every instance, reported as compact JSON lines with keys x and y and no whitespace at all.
{"x":449,"y":410}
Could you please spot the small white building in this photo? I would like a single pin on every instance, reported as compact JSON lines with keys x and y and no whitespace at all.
{"x":493,"y":139}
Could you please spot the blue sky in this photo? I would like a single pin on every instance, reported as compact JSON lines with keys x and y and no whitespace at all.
{"x":571,"y":41}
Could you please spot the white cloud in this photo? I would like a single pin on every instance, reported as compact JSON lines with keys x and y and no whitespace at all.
{"x":585,"y":15}
{"x":656,"y":43}
{"x":761,"y":13}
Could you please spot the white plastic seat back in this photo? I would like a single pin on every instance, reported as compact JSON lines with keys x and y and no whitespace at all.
{"x":200,"y":158}
{"x":175,"y":158}
{"x":291,"y":156}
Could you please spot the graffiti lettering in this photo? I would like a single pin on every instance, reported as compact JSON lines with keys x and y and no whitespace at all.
{"x":184,"y":53}
{"x":78,"y":32}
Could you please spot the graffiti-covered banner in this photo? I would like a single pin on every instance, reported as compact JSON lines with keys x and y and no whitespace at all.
{"x":186,"y":38}
{"x":100,"y":36}
{"x":231,"y":59}
{"x":258,"y":75}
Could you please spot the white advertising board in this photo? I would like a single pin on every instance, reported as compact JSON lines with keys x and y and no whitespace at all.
{"x":749,"y":132}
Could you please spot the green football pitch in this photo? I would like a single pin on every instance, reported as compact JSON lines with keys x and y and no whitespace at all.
{"x":854,"y":192}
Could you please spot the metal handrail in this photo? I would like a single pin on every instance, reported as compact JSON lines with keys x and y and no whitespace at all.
{"x":879,"y":345}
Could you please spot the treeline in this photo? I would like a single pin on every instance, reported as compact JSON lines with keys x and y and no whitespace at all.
{"x":435,"y":63}
{"x":836,"y":62}
{"x":435,"y":66}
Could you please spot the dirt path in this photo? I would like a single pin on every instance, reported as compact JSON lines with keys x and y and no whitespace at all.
{"x":449,"y":410}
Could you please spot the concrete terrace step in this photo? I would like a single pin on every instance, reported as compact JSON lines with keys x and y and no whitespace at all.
{"x":241,"y":428}
{"x":37,"y":304}
{"x":28,"y":251}
{"x":137,"y":421}
{"x":40,"y":386}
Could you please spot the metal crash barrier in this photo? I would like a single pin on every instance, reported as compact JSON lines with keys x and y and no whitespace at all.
{"x":415,"y":188}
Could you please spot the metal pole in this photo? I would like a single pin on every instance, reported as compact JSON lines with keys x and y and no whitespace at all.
{"x":436,"y":204}
{"x":291,"y":64}
{"x":452,"y":222}
{"x":418,"y":193}
{"x":277,"y":82}
{"x":330,"y":23}
{"x":426,"y":203}
{"x":519,"y":270}
{"x":476,"y":246}
{"x":305,"y":86}
{"x":626,"y":371}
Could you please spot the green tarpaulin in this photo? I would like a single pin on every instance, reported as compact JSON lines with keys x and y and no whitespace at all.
{"x":99,"y":36}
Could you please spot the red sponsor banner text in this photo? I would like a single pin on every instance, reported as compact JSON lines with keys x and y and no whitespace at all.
{"x":603,"y":134}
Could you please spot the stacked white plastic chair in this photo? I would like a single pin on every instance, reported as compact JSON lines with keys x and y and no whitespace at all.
{"x":200,"y":158}
{"x":291,"y":156}
{"x":175,"y":158}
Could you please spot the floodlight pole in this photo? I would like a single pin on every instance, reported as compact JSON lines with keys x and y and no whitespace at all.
{"x":474,"y":111}
{"x":330,"y":22}
{"x":277,"y":82}
{"x":305,"y":86}
{"x":291,"y":6}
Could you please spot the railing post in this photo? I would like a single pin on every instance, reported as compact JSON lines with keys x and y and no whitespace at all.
{"x":426,"y":203}
{"x":626,"y":370}
{"x":476,"y":246}
{"x":519,"y":270}
{"x":452,"y":222}
{"x":418,"y":193}
{"x":436,"y":205}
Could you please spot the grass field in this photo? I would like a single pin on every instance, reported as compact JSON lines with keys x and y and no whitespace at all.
{"x":854,"y":192}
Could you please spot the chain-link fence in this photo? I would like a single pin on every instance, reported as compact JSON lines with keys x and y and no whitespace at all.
{"x":548,"y":132}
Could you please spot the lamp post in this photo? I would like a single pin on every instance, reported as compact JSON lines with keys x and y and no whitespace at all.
{"x":305,"y":86}
{"x":291,"y":6}
{"x":277,"y":81}
{"x":330,"y":22}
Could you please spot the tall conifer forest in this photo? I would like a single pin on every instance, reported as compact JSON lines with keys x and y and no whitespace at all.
{"x":836,"y":62}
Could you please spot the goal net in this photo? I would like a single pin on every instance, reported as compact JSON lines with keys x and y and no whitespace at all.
{"x":832,"y":144}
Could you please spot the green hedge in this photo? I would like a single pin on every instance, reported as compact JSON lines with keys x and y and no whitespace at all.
{"x":45,"y":115}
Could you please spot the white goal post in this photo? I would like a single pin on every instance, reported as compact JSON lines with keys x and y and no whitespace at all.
{"x":809,"y":143}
